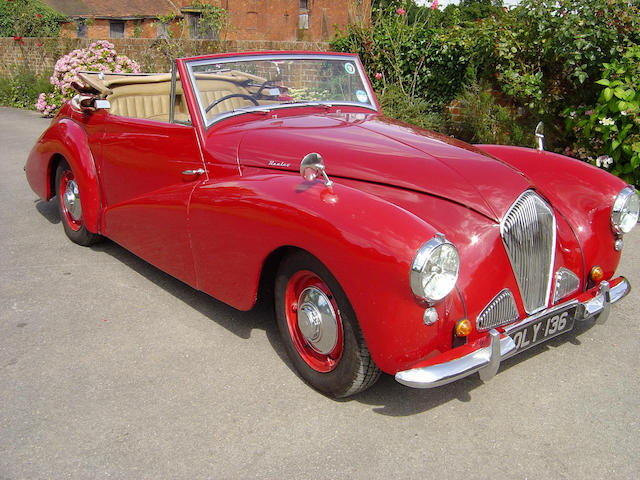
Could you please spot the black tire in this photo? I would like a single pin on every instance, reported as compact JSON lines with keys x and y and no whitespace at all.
{"x":70,"y":217}
{"x":343,"y":370}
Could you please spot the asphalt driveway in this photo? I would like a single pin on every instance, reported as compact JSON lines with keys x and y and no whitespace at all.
{"x":110,"y":368}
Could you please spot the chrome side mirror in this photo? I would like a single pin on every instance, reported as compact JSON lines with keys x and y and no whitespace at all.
{"x":540,"y":136}
{"x":312,"y":166}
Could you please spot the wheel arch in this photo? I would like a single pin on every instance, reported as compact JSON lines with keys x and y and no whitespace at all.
{"x":269,"y":270}
{"x":66,"y":141}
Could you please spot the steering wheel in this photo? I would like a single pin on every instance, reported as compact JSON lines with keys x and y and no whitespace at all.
{"x":267,"y":83}
{"x":227,"y":97}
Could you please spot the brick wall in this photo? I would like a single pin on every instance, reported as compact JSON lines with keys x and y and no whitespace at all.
{"x":40,"y":54}
{"x":275,"y":20}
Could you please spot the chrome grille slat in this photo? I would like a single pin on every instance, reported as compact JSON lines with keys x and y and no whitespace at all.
{"x":500,"y":311}
{"x":529,"y":235}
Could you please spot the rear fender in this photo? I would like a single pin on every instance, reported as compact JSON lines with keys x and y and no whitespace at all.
{"x":65,"y":138}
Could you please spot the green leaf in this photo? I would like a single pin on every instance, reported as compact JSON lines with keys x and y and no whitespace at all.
{"x":615,"y":144}
{"x":603,"y":81}
{"x":607,"y":93}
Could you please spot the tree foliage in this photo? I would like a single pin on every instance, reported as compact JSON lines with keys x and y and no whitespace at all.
{"x":544,"y":57}
{"x":29,"y":18}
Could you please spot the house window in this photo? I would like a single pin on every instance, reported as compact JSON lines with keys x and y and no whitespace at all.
{"x":163,"y":30}
{"x":81,"y":32}
{"x":252,"y":21}
{"x":304,"y":4}
{"x":196,"y":30}
{"x":303,"y":21}
{"x":116,"y":28}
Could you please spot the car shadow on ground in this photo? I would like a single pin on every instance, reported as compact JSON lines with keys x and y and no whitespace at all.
{"x":390,"y":398}
{"x":48,"y":210}
{"x":387,"y":397}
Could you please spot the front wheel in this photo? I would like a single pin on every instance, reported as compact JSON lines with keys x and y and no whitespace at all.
{"x":70,"y":207}
{"x":320,"y":330}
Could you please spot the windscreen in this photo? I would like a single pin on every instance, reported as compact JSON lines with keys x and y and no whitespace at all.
{"x":236,"y":85}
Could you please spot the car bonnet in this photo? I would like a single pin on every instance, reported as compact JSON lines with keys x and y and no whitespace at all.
{"x":372,"y":148}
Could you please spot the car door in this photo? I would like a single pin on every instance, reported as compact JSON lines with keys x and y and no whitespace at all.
{"x":148,"y":171}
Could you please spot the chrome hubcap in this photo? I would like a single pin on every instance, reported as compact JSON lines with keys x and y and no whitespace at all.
{"x":71,"y":199}
{"x":317,"y":320}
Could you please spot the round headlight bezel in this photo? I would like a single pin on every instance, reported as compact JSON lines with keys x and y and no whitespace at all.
{"x":623,"y":220}
{"x":429,"y":254}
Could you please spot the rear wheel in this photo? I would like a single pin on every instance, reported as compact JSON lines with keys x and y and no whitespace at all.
{"x":70,"y":207}
{"x":319,"y":328}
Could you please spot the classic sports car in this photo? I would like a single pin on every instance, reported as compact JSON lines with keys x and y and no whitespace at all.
{"x":387,"y":247}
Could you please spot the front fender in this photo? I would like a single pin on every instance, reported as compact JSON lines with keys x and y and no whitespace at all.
{"x":365,"y":241}
{"x":68,"y":139}
{"x":582,"y":193}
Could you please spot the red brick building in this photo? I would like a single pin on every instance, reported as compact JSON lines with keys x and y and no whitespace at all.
{"x":285,"y":20}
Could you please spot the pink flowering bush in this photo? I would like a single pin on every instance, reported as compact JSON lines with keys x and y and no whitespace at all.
{"x":99,"y":57}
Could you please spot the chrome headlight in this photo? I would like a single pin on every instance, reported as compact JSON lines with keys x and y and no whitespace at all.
{"x":625,"y":211}
{"x":434,"y":270}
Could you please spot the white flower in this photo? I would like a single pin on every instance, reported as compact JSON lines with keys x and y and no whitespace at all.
{"x":607,"y":121}
{"x":624,"y":112}
{"x":604,"y":161}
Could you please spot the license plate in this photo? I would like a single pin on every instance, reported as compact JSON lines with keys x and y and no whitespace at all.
{"x":543,"y":329}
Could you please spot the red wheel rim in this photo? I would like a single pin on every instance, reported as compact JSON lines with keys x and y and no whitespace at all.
{"x":70,"y":200}
{"x":314,"y":321}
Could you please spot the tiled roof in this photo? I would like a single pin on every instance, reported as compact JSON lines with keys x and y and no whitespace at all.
{"x":113,"y":8}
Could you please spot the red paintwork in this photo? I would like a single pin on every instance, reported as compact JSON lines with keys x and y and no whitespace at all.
{"x":297,"y":283}
{"x":67,"y":138}
{"x":395,"y":187}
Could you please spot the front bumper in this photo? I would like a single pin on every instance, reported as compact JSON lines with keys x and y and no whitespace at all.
{"x":485,"y":355}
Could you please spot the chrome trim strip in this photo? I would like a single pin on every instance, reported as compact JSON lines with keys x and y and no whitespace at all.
{"x":172,"y":97}
{"x":486,"y":360}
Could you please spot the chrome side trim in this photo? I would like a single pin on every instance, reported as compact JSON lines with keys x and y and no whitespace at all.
{"x":486,"y":360}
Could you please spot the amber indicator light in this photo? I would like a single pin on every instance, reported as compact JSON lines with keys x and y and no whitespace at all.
{"x":597,"y":274}
{"x":463,"y":328}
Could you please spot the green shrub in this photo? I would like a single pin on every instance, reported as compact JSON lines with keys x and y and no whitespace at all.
{"x":29,"y":18}
{"x":22,"y":89}
{"x":611,"y":126}
{"x":414,"y":110}
{"x":408,"y":50}
{"x":481,"y":119}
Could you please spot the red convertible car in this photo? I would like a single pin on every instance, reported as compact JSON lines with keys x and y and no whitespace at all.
{"x":387,"y":247}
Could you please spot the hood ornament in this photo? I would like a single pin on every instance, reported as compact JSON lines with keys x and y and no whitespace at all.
{"x":312,"y":166}
{"x":540,"y":136}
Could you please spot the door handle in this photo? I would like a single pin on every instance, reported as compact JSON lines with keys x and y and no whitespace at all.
{"x":192,"y":174}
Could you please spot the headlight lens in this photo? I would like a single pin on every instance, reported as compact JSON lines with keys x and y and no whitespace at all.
{"x":434,"y":270}
{"x":625,"y":211}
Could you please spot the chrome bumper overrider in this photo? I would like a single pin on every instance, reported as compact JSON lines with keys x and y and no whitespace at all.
{"x":486,"y":359}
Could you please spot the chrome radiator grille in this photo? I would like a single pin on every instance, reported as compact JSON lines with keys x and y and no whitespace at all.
{"x":529,"y":236}
{"x":500,"y":311}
